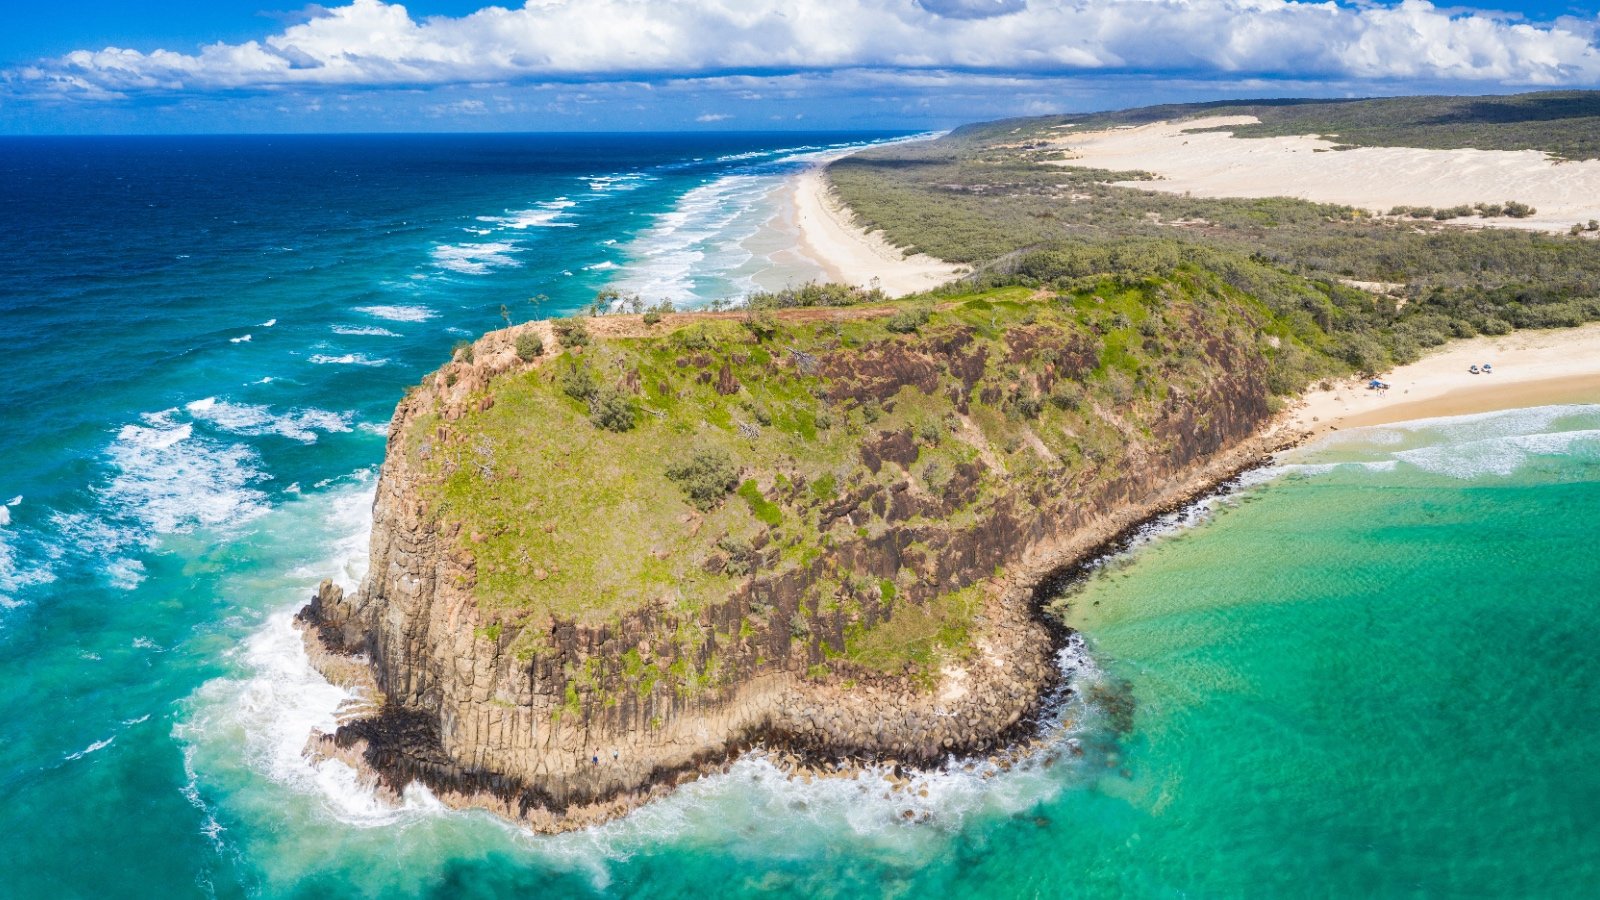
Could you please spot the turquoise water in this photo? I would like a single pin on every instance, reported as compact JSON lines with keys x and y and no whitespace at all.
{"x":1370,"y":672}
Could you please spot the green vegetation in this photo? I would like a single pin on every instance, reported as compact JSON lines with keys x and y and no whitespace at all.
{"x":529,"y":346}
{"x":763,"y":509}
{"x":985,"y":195}
{"x":610,"y":409}
{"x":813,"y":294}
{"x":907,"y":320}
{"x":1103,"y":326}
{"x":597,"y":481}
{"x":919,"y":639}
{"x":570,"y":332}
{"x":1510,"y":208}
{"x":654,"y":314}
{"x":706,"y":476}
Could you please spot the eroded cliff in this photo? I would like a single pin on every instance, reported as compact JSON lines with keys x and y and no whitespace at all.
{"x":606,"y":562}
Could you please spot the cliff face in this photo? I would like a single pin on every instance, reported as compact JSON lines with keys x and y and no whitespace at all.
{"x":867,"y":592}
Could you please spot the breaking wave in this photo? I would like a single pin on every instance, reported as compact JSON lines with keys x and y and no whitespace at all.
{"x":399,"y":313}
{"x":1500,"y":444}
{"x":247,"y":419}
{"x":475,"y":259}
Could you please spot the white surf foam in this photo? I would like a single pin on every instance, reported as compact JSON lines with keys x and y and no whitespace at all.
{"x":759,"y":802}
{"x":251,"y":420}
{"x":1502,"y":456}
{"x":756,"y":799}
{"x":124,"y":573}
{"x":211,"y":829}
{"x":16,"y":575}
{"x":605,"y":184}
{"x":348,"y":359}
{"x":549,"y":214}
{"x":1480,"y":445}
{"x":695,"y":252}
{"x":92,"y":748}
{"x":475,"y":259}
{"x":399,"y":313}
{"x":269,"y":323}
{"x":241,"y":339}
{"x":268,"y":711}
{"x":172,"y":481}
{"x":364,"y":330}
{"x":274,"y":709}
{"x":699,"y":238}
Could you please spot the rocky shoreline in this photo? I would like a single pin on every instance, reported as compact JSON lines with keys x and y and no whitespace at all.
{"x":563,"y":732}
{"x":400,"y":746}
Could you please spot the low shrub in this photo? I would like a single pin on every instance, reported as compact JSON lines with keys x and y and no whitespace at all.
{"x":654,"y":314}
{"x":570,"y":332}
{"x":529,"y":346}
{"x":612,"y":410}
{"x":907,"y":321}
{"x":578,"y":383}
{"x":706,"y":476}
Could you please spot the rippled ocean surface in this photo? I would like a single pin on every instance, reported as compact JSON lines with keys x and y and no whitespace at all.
{"x":1370,"y":671}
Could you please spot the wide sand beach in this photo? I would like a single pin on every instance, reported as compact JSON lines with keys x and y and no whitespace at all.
{"x":1529,"y":368}
{"x":827,"y":232}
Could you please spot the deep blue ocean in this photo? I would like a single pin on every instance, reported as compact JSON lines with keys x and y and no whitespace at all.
{"x":1367,"y":673}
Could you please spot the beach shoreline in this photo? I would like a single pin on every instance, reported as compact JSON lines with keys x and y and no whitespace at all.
{"x":1541,"y":367}
{"x":826,"y":232}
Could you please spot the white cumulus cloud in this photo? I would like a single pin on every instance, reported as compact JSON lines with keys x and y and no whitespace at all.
{"x":373,"y":43}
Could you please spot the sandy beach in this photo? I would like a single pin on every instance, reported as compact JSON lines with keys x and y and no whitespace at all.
{"x":827,"y":233}
{"x":1217,"y":164}
{"x":1531,"y":368}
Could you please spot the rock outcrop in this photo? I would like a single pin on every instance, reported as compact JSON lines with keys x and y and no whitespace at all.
{"x":561,"y":722}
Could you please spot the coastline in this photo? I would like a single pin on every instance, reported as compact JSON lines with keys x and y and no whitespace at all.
{"x":825,"y":231}
{"x":513,"y":735}
{"x":1531,"y":368}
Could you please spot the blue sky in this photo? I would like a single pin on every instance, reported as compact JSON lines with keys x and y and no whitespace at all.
{"x":70,"y":66}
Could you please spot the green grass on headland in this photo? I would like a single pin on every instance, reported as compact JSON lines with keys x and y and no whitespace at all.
{"x":748,"y":431}
{"x":666,"y":460}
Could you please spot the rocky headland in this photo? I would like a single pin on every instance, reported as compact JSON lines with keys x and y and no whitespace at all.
{"x":610,"y":554}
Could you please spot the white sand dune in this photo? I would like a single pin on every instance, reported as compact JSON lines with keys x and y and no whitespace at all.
{"x":1217,"y":164}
